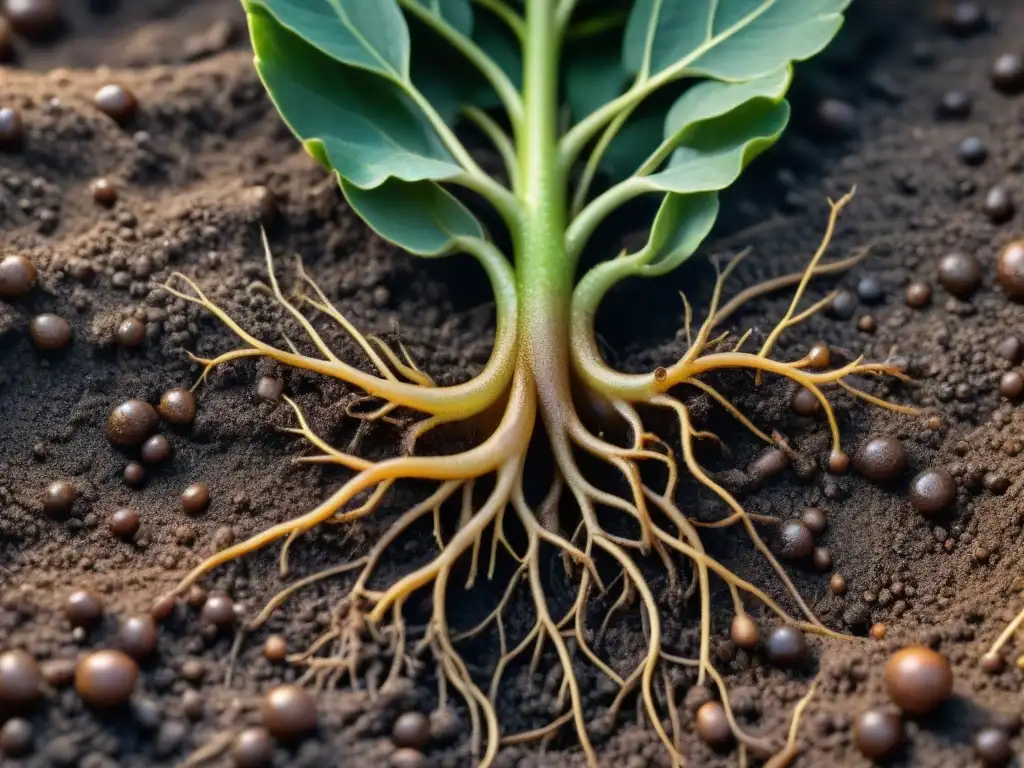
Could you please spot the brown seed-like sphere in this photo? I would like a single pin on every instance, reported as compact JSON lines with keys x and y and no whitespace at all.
{"x":822,"y":559}
{"x":996,"y":483}
{"x":992,"y":746}
{"x":83,"y":608}
{"x":955,"y":105}
{"x":932,"y":491}
{"x":134,"y":474}
{"x":795,"y":539}
{"x":59,"y":498}
{"x":407,"y":757}
{"x":106,"y":678}
{"x":992,"y":662}
{"x":195,"y":498}
{"x":49,"y":332}
{"x":814,"y":519}
{"x":881,"y":459}
{"x":103,"y":192}
{"x":411,"y":729}
{"x":156,"y":450}
{"x":270,"y":389}
{"x":1010,"y":348}
{"x":289,"y":711}
{"x":1007,"y":73}
{"x":20,"y":679}
{"x":116,"y":102}
{"x":959,"y":273}
{"x":819,"y":355}
{"x":17,"y":277}
{"x":124,"y":522}
{"x":786,"y":646}
{"x":252,"y":748}
{"x":12,"y":131}
{"x":137,"y":636}
{"x":6,"y":40}
{"x":744,"y":631}
{"x":712,"y":724}
{"x":867,"y":323}
{"x":878,"y":631}
{"x":1010,"y":269}
{"x":1011,"y":385}
{"x":837,"y":583}
{"x":163,"y":607}
{"x":877,"y":732}
{"x":768,"y":464}
{"x":178,"y":407}
{"x":16,"y":737}
{"x":804,"y":403}
{"x":918,"y":679}
{"x":998,"y":205}
{"x":919,"y":294}
{"x":275,"y":648}
{"x":838,"y":462}
{"x":131,"y":333}
{"x":34,"y":19}
{"x":131,"y":422}
{"x":218,"y":610}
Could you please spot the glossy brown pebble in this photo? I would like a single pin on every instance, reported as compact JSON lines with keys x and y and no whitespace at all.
{"x":131,"y":333}
{"x":744,"y":631}
{"x":137,"y":636}
{"x":83,"y":608}
{"x":1011,"y":385}
{"x":407,"y":757}
{"x":959,"y":273}
{"x":837,"y":584}
{"x":822,"y":559}
{"x":918,"y":294}
{"x":124,"y":522}
{"x":814,"y":519}
{"x":106,"y":678}
{"x":103,"y":192}
{"x":712,"y":725}
{"x":16,"y":737}
{"x":932,"y":491}
{"x":795,"y":539}
{"x":270,"y":389}
{"x":6,"y":40}
{"x":131,"y":422}
{"x":877,"y":732}
{"x":411,"y":729}
{"x":767,"y":465}
{"x":289,"y":711}
{"x":252,"y":748}
{"x":49,"y":332}
{"x":786,"y":646}
{"x":992,"y":663}
{"x":12,"y":131}
{"x":21,"y":680}
{"x":116,"y":102}
{"x":59,"y":498}
{"x":134,"y":474}
{"x":819,"y":355}
{"x":1007,"y":73}
{"x":275,"y":648}
{"x":804,"y":403}
{"x":17,"y":277}
{"x":218,"y":610}
{"x":34,"y":19}
{"x":1010,"y":269}
{"x":838,"y":462}
{"x":918,"y":679}
{"x":881,"y":459}
{"x":177,"y":406}
{"x":998,"y":205}
{"x":1010,"y":348}
{"x":992,"y":746}
{"x":195,"y":498}
{"x":156,"y":449}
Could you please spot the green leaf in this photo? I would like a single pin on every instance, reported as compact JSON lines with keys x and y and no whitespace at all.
{"x":593,"y":77}
{"x":458,"y":14}
{"x":356,"y":122}
{"x":727,"y":39}
{"x":419,"y":216}
{"x":680,"y":226}
{"x":498,"y":42}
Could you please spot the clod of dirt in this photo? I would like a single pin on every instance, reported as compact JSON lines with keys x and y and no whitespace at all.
{"x":877,"y":732}
{"x":106,"y":679}
{"x":289,"y":711}
{"x":21,"y":682}
{"x":49,"y":332}
{"x":177,"y":406}
{"x":132,"y":422}
{"x":1010,"y":268}
{"x":17,"y":277}
{"x":932,"y":491}
{"x":918,"y":679}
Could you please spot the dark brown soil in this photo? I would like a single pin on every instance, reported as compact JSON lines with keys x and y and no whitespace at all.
{"x":187,"y":169}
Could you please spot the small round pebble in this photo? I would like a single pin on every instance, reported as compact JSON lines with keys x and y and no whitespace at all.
{"x":995,"y":483}
{"x":878,"y":631}
{"x":289,"y":711}
{"x":106,"y":678}
{"x":59,"y":498}
{"x":131,"y":333}
{"x":795,"y":539}
{"x":17,"y":277}
{"x":712,"y":724}
{"x":822,"y":559}
{"x":869,"y":290}
{"x":275,"y":648}
{"x":998,"y":205}
{"x":116,"y":102}
{"x":270,"y":389}
{"x":195,"y":498}
{"x":1007,"y":73}
{"x":867,"y":323}
{"x":1010,"y":269}
{"x":21,"y":680}
{"x":843,"y":305}
{"x":919,"y":293}
{"x":137,"y":636}
{"x":407,"y":757}
{"x":837,"y":584}
{"x":837,"y":117}
{"x":103,"y":192}
{"x":16,"y":737}
{"x":819,"y":355}
{"x":918,"y":679}
{"x":881,"y":459}
{"x":156,"y":449}
{"x":1011,"y":385}
{"x":34,"y":19}
{"x":932,"y":491}
{"x":786,"y":646}
{"x":12,"y":131}
{"x":972,"y":151}
{"x":177,"y":406}
{"x":877,"y":732}
{"x":992,"y":745}
{"x":134,"y":474}
{"x":411,"y":729}
{"x":252,"y":748}
{"x":744,"y":631}
{"x":992,"y":662}
{"x":83,"y":608}
{"x":1010,"y":348}
{"x":964,"y":18}
{"x":804,"y":402}
{"x":959,"y":273}
{"x":163,"y":607}
{"x":814,"y":519}
{"x":955,"y":105}
{"x":218,"y":611}
{"x":132,"y":422}
{"x":49,"y":332}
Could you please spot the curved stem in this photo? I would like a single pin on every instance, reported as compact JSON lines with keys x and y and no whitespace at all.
{"x":511,"y":19}
{"x":501,"y":141}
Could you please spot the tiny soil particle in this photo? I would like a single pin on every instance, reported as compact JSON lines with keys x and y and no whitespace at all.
{"x":837,"y":117}
{"x":837,"y":583}
{"x":959,"y":273}
{"x":992,"y":662}
{"x":34,"y":19}
{"x":156,"y":449}
{"x":103,"y":192}
{"x":20,"y":679}
{"x":814,"y":519}
{"x":270,"y":389}
{"x":289,"y":711}
{"x":1011,"y":385}
{"x":407,"y":757}
{"x":137,"y":636}
{"x":116,"y":102}
{"x":1007,"y":73}
{"x":998,"y":205}
{"x":918,"y":679}
{"x":867,"y":323}
{"x":843,"y":305}
{"x":878,"y":631}
{"x":877,"y":732}
{"x":218,"y":611}
{"x":83,"y":608}
{"x":869,"y":290}
{"x":59,"y":498}
{"x":881,"y":459}
{"x":58,"y":672}
{"x":252,"y":748}
{"x":804,"y":402}
{"x":131,"y":333}
{"x":17,"y":277}
{"x":16,"y":737}
{"x":819,"y":355}
{"x":932,"y":491}
{"x":195,"y":498}
{"x":1010,"y":269}
{"x":132,"y":422}
{"x":196,"y":597}
{"x":992,"y":745}
{"x":972,"y":151}
{"x":712,"y":724}
{"x":822,"y":559}
{"x":955,"y":105}
{"x":995,"y":483}
{"x":744,"y":631}
{"x":106,"y":678}
{"x":12,"y":131}
{"x":177,"y":407}
{"x":275,"y":648}
{"x":964,"y":18}
{"x":134,"y":474}
{"x":411,"y":729}
{"x":786,"y":646}
{"x":49,"y":332}
{"x":795,"y":539}
{"x":1010,"y":348}
{"x":919,"y":293}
